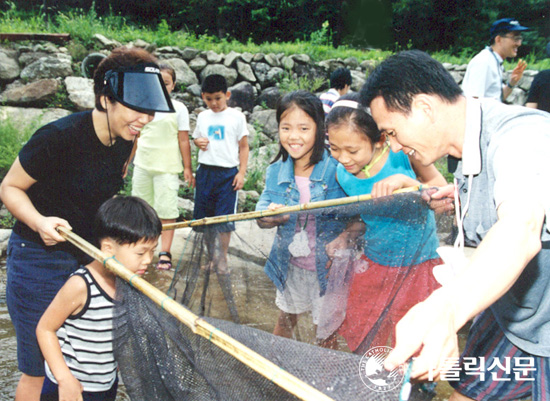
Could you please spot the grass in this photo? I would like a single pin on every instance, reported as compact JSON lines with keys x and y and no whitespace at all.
{"x":12,"y":139}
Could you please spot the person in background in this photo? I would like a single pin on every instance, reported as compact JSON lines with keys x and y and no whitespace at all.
{"x":221,"y":135}
{"x":507,"y":279}
{"x":75,"y":333}
{"x":61,"y":177}
{"x":162,"y":145}
{"x":340,"y":84}
{"x":539,"y":94}
{"x":484,"y":74}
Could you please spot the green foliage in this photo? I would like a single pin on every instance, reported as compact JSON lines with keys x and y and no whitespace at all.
{"x":61,"y":100}
{"x":322,"y":36}
{"x":441,"y":166}
{"x":7,"y":221}
{"x":287,"y":84}
{"x":12,"y":140}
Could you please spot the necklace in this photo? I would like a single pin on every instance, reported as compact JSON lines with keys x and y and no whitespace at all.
{"x":374,"y":160}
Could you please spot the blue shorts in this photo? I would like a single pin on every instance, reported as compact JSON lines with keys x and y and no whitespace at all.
{"x":214,"y":194}
{"x":492,"y":368}
{"x":34,"y":277}
{"x":50,"y":392}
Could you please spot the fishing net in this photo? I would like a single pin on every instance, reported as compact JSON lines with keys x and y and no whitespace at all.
{"x":371,"y":261}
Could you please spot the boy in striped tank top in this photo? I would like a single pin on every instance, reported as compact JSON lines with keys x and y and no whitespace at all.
{"x":75,"y":332}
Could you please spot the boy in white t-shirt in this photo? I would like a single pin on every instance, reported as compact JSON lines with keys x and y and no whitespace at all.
{"x":222,"y":138}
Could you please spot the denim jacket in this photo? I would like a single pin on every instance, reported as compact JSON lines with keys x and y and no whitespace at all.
{"x":281,"y":188}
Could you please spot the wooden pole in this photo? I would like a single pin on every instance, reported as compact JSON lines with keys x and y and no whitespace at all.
{"x":200,"y":327}
{"x":286,"y":209}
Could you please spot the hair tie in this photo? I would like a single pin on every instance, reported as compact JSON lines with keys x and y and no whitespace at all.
{"x":352,"y":104}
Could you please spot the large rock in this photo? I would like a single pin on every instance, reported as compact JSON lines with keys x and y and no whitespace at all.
{"x":81,"y":92}
{"x":352,"y":62}
{"x":272,"y":60}
{"x":53,"y":66}
{"x":331,"y":64}
{"x":189,"y":53}
{"x":26,"y":58}
{"x":368,"y":65}
{"x":9,"y":67}
{"x":266,"y":120}
{"x":301,"y":58}
{"x":184,"y":74}
{"x":358,"y":79}
{"x":274,"y":75}
{"x":105,"y":43}
{"x":197,"y":64}
{"x":261,"y":70}
{"x":287,"y":63}
{"x":229,"y":73}
{"x":29,"y":117}
{"x":242,"y":95}
{"x":212,"y":57}
{"x":35,"y":94}
{"x":245,"y":72}
{"x":231,"y":58}
{"x":269,"y":97}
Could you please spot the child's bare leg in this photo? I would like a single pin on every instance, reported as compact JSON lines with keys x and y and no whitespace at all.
{"x":285,"y":324}
{"x":210,"y":242}
{"x":29,"y":388}
{"x":166,"y":238}
{"x":221,"y":260}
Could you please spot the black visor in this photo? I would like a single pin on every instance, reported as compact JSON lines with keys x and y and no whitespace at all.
{"x":140,"y":88}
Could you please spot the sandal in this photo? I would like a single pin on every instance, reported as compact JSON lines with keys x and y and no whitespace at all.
{"x":164,"y":264}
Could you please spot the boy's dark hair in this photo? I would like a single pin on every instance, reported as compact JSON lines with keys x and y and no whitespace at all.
{"x":406,"y":74}
{"x":214,"y":83}
{"x":127,"y":220}
{"x":340,"y":77}
{"x":358,"y":119}
{"x":119,"y":58}
{"x":313,"y":107}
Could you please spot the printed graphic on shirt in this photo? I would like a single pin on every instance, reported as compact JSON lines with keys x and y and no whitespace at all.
{"x":216,"y":132}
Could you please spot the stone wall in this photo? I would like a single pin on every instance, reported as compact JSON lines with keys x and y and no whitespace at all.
{"x":41,"y":74}
{"x":40,"y":82}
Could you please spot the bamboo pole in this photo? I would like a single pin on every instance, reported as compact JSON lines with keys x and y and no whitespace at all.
{"x":200,"y":327}
{"x":285,"y":209}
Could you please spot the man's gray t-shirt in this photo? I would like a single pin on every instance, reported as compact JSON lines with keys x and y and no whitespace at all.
{"x":506,"y":150}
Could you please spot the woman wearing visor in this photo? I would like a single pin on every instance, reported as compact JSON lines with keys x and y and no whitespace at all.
{"x":62,"y":175}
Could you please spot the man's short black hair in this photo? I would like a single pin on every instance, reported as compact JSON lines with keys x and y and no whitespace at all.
{"x":214,"y":83}
{"x":340,"y":77}
{"x":127,"y":220}
{"x":406,"y":74}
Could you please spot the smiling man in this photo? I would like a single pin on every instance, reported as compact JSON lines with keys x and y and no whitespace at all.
{"x":507,"y":279}
{"x":484,"y":75}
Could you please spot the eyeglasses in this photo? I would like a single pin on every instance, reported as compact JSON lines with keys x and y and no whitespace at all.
{"x":517,"y":38}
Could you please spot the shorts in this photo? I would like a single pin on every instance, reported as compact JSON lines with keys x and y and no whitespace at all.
{"x":301,"y":293}
{"x":34,"y":276}
{"x":214,"y":194}
{"x":506,"y":366}
{"x":380,"y":297}
{"x":159,"y":190}
{"x":50,"y":392}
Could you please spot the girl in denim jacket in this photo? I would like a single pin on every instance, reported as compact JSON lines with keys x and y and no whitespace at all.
{"x":303,"y":171}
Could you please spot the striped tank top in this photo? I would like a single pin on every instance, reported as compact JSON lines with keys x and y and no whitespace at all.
{"x":86,"y":339}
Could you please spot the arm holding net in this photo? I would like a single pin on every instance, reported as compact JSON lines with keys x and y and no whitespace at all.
{"x":200,"y":327}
